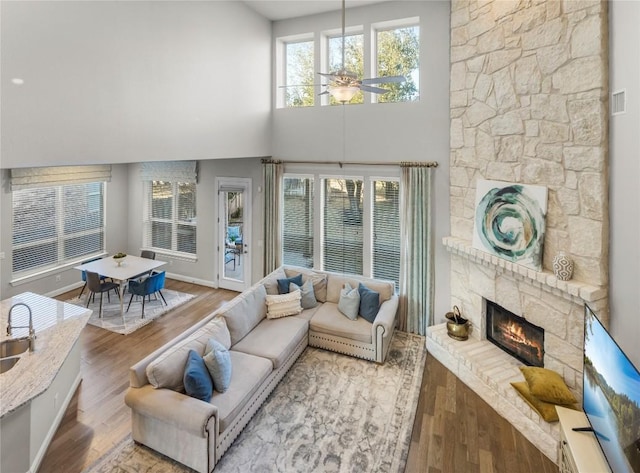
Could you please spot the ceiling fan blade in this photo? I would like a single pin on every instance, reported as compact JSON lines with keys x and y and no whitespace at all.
{"x":326,"y":92}
{"x":384,"y":80}
{"x":375,"y":90}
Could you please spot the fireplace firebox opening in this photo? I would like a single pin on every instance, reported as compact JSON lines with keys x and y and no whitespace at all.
{"x":515,"y":335}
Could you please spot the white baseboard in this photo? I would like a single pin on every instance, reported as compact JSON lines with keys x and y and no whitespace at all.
{"x":201,"y":282}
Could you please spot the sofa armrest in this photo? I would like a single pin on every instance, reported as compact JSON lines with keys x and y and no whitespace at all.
{"x":386,"y":316}
{"x":184,"y":412}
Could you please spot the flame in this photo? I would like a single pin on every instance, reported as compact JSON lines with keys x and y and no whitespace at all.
{"x":514,"y":332}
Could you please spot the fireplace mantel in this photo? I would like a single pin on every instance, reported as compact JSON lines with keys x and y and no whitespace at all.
{"x":572,"y":290}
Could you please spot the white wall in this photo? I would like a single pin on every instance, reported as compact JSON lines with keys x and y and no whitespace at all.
{"x":120,"y":82}
{"x":382,"y":132}
{"x":205,"y":269}
{"x":624,"y":18}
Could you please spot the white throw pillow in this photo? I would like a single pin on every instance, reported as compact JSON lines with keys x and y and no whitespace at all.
{"x":283,"y":304}
{"x":349,"y":302}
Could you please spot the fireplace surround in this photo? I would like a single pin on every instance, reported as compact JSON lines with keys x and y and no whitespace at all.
{"x":515,"y":335}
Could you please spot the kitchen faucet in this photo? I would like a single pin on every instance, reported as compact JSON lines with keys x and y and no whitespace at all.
{"x":32,"y":332}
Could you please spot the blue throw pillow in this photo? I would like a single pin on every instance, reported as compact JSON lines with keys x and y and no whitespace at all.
{"x":369,"y":303}
{"x":197,"y":381}
{"x":349,"y":301}
{"x":283,"y":284}
{"x":218,"y":361}
{"x":307,"y":295}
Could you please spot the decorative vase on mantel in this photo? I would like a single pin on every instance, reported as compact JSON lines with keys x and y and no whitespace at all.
{"x":562,"y":266}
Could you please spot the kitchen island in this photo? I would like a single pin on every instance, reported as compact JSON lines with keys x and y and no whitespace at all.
{"x":36,"y":391}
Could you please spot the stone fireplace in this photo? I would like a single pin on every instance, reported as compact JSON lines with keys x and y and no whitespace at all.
{"x":528,"y":104}
{"x":515,"y":335}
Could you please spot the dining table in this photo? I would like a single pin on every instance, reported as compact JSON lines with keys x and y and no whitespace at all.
{"x":121,"y":270}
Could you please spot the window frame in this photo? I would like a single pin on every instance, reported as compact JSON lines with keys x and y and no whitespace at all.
{"x":174,"y":221}
{"x":318,"y":176}
{"x":281,"y":67}
{"x":61,"y":263}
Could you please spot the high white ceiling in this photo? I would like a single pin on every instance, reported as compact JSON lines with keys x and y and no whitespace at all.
{"x":284,"y":9}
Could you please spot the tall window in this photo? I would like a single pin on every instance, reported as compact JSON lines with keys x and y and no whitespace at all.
{"x":398,"y":53}
{"x":171,"y":225}
{"x":353,"y":59}
{"x":386,"y":230}
{"x":297,"y":246}
{"x":299,"y":78}
{"x":358,"y":231}
{"x":342,"y":231}
{"x":53,"y":226}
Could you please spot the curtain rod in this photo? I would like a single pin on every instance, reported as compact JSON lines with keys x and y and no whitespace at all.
{"x":427,"y":164}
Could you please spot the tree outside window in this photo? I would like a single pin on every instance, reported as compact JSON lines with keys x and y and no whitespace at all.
{"x":299,"y":74}
{"x":398,"y":53}
{"x":353,"y":60}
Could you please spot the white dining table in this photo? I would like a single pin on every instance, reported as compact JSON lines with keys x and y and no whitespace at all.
{"x":129,"y":268}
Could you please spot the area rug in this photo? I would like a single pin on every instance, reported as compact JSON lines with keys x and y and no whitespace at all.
{"x":111,"y":319}
{"x":330,"y":413}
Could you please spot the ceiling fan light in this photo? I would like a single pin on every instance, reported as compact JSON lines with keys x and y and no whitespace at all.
{"x":343,"y":93}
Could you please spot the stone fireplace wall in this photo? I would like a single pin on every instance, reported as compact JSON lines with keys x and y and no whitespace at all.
{"x":529,"y":105}
{"x":528,"y":99}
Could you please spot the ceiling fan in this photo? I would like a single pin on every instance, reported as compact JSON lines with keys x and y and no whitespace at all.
{"x":343,"y":84}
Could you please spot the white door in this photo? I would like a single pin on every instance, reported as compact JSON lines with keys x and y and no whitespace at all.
{"x":234,"y":233}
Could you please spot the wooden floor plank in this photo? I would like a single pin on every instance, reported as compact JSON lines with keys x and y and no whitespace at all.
{"x":454,"y":430}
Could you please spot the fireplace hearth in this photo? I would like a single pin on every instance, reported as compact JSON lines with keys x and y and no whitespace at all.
{"x":515,"y":335}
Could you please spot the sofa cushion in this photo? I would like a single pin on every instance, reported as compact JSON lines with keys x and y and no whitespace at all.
{"x":307,"y":295}
{"x":282,"y":305}
{"x":335,"y":283}
{"x":283,"y":284}
{"x":319,"y":280}
{"x":249,"y":372}
{"x":197,"y":381}
{"x":349,"y":301}
{"x":369,"y":303}
{"x":244,"y":312}
{"x":306,"y":314}
{"x":330,"y":321}
{"x":218,"y":362}
{"x":270,"y":282}
{"x":274,"y":339}
{"x":167,"y":370}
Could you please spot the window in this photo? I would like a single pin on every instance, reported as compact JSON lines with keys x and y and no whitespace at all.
{"x":353,"y":59}
{"x":398,"y":53}
{"x":56,"y":225}
{"x":171,"y":224}
{"x":298,"y":221}
{"x":299,"y":77}
{"x":386,"y":230}
{"x":359,"y":228}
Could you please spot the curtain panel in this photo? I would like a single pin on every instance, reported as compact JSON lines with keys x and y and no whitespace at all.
{"x":272,"y":176}
{"x":416,"y":256}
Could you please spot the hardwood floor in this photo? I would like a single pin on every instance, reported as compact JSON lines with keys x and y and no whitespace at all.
{"x":454,"y":431}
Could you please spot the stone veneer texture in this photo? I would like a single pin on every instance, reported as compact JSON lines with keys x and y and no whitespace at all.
{"x":529,"y":104}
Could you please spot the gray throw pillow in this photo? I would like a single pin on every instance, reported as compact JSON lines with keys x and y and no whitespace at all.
{"x":308,"y":296}
{"x":218,"y":362}
{"x":349,"y":302}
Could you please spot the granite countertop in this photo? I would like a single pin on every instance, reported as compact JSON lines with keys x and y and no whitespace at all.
{"x":58,"y":326}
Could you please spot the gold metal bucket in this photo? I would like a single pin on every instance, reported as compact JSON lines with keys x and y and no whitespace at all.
{"x":457,"y":326}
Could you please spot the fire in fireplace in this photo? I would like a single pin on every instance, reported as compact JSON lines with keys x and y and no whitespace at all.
{"x":515,"y":335}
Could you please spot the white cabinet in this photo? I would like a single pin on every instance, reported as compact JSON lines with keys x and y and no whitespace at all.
{"x":578,"y":452}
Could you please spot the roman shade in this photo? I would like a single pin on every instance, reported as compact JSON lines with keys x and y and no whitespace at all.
{"x":30,"y":178}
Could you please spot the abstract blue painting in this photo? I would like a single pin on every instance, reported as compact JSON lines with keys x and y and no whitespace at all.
{"x":510,"y":221}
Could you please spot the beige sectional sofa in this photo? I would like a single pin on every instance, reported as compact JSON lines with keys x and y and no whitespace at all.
{"x":197,"y":433}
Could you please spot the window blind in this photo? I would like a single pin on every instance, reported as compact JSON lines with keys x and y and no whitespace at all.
{"x":173,"y":171}
{"x":386,"y":230}
{"x":56,"y":225}
{"x":297,"y":221}
{"x":342,"y":233}
{"x":31,"y":178}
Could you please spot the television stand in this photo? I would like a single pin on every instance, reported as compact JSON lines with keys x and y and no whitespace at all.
{"x":578,"y":449}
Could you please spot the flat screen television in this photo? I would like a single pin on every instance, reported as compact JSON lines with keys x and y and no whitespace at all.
{"x":611,"y":397}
